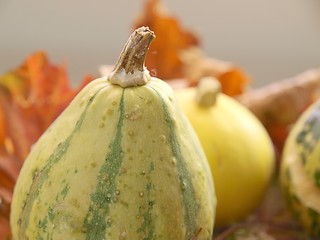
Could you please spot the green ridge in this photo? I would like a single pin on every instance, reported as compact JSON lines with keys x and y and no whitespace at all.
{"x":95,"y":224}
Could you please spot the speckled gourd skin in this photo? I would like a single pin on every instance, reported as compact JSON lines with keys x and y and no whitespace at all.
{"x":118,"y":163}
{"x":300,"y":170}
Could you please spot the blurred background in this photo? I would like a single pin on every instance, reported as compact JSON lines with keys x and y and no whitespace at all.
{"x":271,"y":40}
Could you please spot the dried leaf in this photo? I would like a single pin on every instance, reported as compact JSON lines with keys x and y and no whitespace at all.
{"x":163,"y":58}
{"x":279,"y":104}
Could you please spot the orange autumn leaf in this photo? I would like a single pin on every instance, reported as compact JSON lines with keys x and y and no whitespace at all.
{"x":234,"y":81}
{"x":163,"y":58}
{"x":48,"y":87}
{"x":5,"y":233}
{"x":31,"y":97}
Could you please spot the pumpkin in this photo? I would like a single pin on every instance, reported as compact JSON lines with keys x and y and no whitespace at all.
{"x":300,"y":170}
{"x":237,"y":146}
{"x":121,"y":162}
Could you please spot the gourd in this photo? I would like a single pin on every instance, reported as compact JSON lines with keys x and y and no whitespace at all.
{"x":300,"y":169}
{"x":121,"y":162}
{"x":237,"y":146}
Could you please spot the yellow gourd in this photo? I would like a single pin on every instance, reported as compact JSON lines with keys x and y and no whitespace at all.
{"x":237,"y":146}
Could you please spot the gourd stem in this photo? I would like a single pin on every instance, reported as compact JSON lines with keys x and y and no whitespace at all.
{"x":130,"y":70}
{"x":207,"y":92}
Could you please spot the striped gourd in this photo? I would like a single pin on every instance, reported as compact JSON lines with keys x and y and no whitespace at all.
{"x":300,"y":170}
{"x":121,"y":162}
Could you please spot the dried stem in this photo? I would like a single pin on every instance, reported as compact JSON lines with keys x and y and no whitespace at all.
{"x":130,"y":70}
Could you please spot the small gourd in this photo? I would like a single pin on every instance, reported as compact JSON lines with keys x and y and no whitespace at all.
{"x":121,"y":162}
{"x":237,"y":146}
{"x":300,"y":170}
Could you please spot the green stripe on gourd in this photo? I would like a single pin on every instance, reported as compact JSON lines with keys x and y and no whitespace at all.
{"x":131,"y":167}
{"x":94,"y":223}
{"x":190,"y":206}
{"x":300,"y":167}
{"x":307,"y":141}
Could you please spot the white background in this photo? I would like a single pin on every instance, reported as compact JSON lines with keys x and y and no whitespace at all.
{"x":269,"y":39}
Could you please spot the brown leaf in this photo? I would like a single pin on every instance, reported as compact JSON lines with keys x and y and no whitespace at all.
{"x":278,"y":105}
